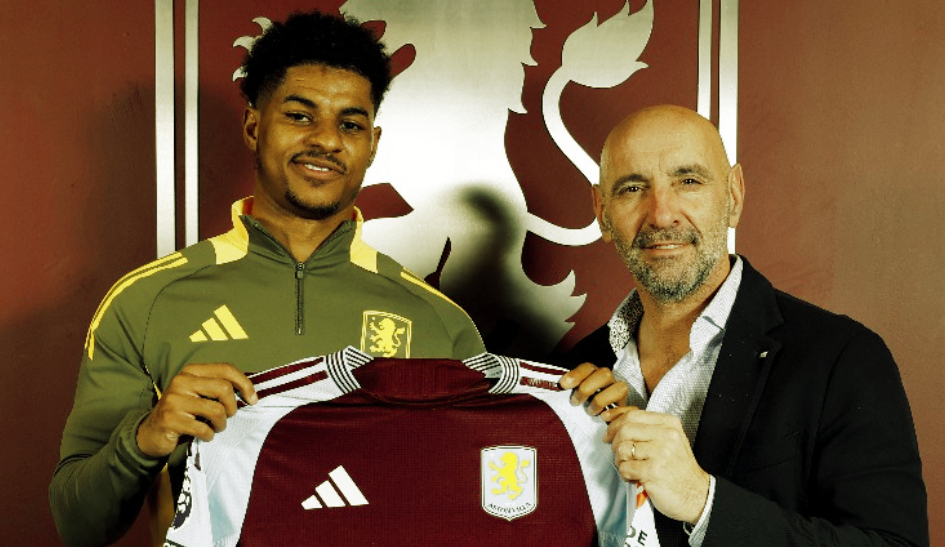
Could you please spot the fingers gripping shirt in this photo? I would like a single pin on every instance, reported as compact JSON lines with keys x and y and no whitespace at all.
{"x":346,"y":449}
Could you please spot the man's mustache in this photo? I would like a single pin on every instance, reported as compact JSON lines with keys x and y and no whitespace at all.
{"x":315,"y":155}
{"x":652,"y":237}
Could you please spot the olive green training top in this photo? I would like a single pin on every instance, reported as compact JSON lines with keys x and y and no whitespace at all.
{"x":238,"y":298}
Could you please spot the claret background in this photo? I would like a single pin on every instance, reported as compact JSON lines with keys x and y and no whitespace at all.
{"x":121,"y":142}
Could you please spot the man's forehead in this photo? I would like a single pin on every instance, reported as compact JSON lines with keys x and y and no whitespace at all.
{"x":649,"y":148}
{"x":313,"y":82}
{"x":650,"y":160}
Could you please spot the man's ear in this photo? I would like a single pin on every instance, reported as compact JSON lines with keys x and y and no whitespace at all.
{"x":374,"y":143}
{"x":736,"y":181}
{"x":251,"y":128}
{"x":598,"y":200}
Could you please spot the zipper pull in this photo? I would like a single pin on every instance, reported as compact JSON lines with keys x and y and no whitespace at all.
{"x":299,"y":270}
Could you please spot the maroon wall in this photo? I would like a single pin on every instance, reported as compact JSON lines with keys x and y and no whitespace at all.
{"x":77,"y":134}
{"x":840,"y":133}
{"x":842,"y":136}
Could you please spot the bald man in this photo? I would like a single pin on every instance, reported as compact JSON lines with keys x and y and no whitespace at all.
{"x":752,"y":418}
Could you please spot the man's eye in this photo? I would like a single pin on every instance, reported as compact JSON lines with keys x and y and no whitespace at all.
{"x":297,"y":116}
{"x":351,"y":126}
{"x":629,"y":189}
{"x":690,"y":182}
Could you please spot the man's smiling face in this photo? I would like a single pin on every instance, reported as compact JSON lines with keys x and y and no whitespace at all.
{"x":665,"y":199}
{"x":313,"y":138}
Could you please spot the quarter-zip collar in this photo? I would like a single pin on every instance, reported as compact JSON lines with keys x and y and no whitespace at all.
{"x":342,"y":246}
{"x":263,"y":243}
{"x":235,"y":244}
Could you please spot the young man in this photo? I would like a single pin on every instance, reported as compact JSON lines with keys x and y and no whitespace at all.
{"x":168,"y":347}
{"x":756,"y":418}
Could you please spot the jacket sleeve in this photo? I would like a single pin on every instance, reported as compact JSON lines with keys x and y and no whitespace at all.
{"x":102,"y":478}
{"x":863,"y":481}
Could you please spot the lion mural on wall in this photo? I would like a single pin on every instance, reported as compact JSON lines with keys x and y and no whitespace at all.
{"x":443,"y":151}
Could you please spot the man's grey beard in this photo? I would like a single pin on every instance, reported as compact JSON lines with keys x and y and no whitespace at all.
{"x":677,"y":280}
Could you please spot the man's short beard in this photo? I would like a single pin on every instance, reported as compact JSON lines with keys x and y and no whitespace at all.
{"x":678,"y":280}
{"x":302,"y":209}
{"x":312,"y":212}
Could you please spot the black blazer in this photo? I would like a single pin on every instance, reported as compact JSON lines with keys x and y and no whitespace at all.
{"x":806,"y":428}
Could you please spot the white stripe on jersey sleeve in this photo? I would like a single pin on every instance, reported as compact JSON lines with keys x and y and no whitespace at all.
{"x":605,"y":489}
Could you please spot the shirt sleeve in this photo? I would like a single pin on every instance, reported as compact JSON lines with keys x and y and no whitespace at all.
{"x":102,"y":478}
{"x":468,"y":343}
{"x":697,"y":534}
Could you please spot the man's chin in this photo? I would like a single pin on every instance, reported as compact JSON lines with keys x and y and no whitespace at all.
{"x":668,"y":279}
{"x":313,"y":211}
{"x":666,"y":267}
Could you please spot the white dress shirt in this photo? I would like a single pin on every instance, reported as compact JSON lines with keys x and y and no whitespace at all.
{"x":682,"y":391}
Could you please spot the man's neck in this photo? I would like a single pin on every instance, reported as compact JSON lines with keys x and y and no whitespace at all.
{"x":300,"y":236}
{"x":664,"y":330}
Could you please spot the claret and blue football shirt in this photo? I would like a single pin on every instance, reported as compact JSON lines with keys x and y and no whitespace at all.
{"x":348,"y":449}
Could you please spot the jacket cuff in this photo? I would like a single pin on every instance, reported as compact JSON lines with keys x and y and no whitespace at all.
{"x":130,"y":457}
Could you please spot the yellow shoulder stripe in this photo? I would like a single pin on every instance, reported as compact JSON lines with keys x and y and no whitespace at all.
{"x":413,"y":278}
{"x":227,"y":247}
{"x":173,"y":260}
{"x":362,"y":254}
{"x":233,"y":245}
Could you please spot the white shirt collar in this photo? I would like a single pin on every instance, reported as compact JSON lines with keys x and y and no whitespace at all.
{"x":625,"y":320}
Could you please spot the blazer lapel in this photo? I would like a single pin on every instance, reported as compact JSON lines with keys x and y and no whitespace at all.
{"x":740,"y":373}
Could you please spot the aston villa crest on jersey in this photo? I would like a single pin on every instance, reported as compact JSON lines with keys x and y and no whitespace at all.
{"x":386,"y":334}
{"x":509,"y":481}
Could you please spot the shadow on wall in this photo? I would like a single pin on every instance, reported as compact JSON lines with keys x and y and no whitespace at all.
{"x":483,"y":286}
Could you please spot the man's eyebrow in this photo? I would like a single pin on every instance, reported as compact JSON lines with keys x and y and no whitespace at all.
{"x":349,"y":111}
{"x":355,"y":111}
{"x":623,"y":179}
{"x":299,"y":99}
{"x":693,"y":169}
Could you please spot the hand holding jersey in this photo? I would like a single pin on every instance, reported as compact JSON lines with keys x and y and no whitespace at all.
{"x":652,"y":449}
{"x":196,"y":404}
{"x":595,"y":387}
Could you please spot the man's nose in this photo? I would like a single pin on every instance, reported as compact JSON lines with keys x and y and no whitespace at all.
{"x":663,"y":207}
{"x":324,"y":135}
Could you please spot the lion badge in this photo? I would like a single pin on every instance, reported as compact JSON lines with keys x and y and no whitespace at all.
{"x":509,"y":477}
{"x":385,"y":334}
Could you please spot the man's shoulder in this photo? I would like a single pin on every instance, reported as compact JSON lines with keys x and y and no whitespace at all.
{"x":369,"y":259}
{"x":125,"y":308}
{"x":411,"y":292}
{"x":796,"y":317}
{"x":814,"y":321}
{"x":134,"y":293}
{"x":150,"y":278}
{"x":419,"y":287}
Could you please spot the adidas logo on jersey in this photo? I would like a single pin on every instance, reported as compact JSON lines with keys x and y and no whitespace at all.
{"x":222,"y":326}
{"x":329,"y":495}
